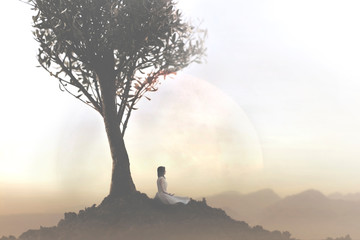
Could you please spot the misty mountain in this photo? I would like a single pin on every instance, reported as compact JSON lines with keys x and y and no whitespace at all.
{"x":347,"y":197}
{"x":17,"y":224}
{"x":307,"y":215}
{"x":312,"y":214}
{"x":307,"y":204}
{"x":244,"y":206}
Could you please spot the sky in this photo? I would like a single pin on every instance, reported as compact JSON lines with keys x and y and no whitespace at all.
{"x":276,"y":105}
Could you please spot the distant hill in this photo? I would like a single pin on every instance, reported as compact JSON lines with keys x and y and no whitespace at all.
{"x":244,"y":206}
{"x":17,"y":224}
{"x":307,"y":215}
{"x":311,"y":214}
{"x":347,"y":197}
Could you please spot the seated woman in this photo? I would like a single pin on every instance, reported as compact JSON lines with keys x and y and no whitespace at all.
{"x":162,"y":195}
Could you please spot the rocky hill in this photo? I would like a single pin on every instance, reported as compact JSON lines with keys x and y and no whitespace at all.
{"x":138,"y":217}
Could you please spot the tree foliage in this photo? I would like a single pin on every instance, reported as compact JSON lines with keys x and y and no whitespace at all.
{"x":137,"y":42}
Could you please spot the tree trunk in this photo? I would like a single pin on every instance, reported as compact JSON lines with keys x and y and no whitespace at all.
{"x":121,"y":180}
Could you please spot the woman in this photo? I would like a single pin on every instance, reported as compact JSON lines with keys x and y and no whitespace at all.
{"x":162,"y":194}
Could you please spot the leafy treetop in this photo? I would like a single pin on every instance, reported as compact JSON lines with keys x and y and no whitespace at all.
{"x":132,"y":43}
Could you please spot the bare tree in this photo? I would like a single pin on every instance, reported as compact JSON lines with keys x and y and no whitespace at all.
{"x":109,"y":54}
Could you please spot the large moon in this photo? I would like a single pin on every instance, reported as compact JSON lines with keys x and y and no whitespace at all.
{"x":203,"y":138}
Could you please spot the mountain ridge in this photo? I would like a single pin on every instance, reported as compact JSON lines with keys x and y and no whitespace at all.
{"x":307,"y":214}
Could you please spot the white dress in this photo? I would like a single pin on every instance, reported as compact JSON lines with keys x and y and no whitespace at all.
{"x":165,"y":197}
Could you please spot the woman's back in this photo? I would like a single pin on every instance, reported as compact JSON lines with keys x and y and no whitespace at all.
{"x":161,"y":185}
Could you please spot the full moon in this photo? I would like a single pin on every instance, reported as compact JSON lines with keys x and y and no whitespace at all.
{"x":203,"y":138}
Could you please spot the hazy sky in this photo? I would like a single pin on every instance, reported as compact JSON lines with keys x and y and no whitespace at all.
{"x":277,"y":105}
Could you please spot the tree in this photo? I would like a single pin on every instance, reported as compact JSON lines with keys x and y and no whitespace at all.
{"x":109,"y":54}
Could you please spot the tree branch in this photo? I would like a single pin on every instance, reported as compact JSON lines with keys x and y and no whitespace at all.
{"x":124,"y":101}
{"x":133,"y":102}
{"x":78,"y":85}
{"x":97,"y":88}
{"x":62,"y":81}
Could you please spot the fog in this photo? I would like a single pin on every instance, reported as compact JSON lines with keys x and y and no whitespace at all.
{"x":275,"y":106}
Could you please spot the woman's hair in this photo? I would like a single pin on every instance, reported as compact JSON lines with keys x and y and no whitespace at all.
{"x":161,"y":171}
